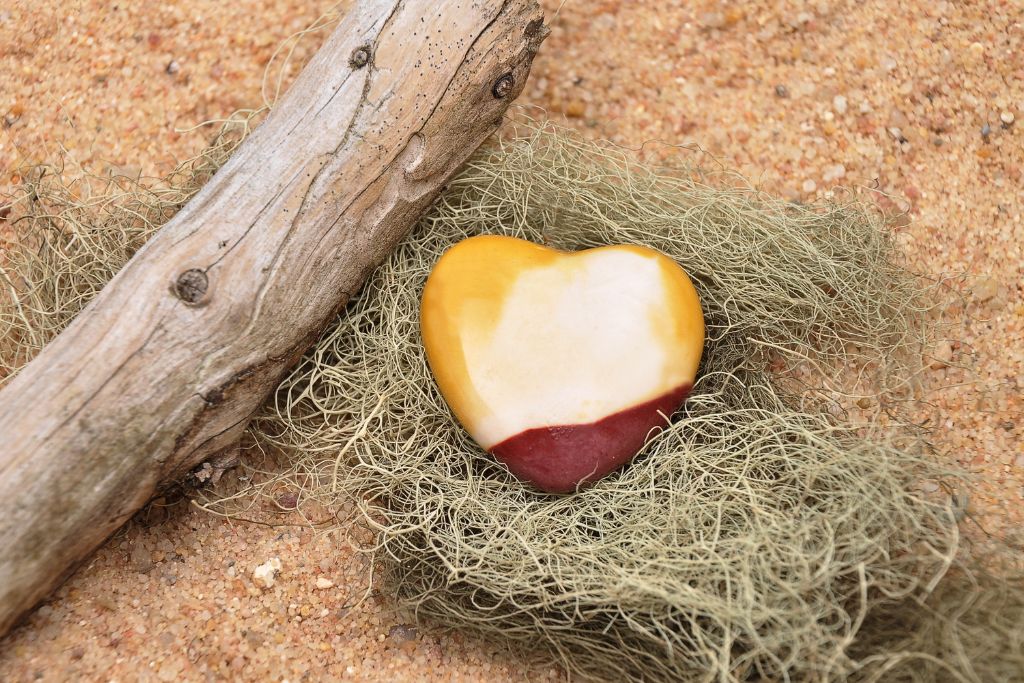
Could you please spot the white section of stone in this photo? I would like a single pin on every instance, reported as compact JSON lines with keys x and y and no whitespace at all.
{"x":574,"y":343}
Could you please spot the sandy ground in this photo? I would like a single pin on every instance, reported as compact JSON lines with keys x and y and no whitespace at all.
{"x":922,"y":100}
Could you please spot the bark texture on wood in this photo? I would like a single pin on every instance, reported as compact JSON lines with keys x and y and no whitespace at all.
{"x":167,"y":365}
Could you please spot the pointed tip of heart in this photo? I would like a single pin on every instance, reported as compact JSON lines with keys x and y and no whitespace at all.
{"x":564,"y":458}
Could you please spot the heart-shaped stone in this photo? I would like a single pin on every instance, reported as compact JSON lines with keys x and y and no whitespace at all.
{"x":560,"y":364}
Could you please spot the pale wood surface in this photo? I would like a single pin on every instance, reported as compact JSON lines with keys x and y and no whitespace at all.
{"x":167,"y":365}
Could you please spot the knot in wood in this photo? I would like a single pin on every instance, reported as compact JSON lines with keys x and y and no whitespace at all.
{"x":503,"y":86}
{"x":360,"y":57}
{"x":191,"y":285}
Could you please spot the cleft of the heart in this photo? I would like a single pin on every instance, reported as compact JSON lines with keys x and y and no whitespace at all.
{"x":561,"y":364}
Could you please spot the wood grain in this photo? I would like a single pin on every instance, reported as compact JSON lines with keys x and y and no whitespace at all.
{"x":168,"y":364}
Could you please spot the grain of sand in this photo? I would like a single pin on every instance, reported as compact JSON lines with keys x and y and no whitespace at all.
{"x":918,"y":105}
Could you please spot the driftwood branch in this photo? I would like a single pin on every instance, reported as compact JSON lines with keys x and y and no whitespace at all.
{"x":168,"y":364}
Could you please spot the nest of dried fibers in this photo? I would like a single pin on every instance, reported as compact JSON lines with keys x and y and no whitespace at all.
{"x":776,"y":531}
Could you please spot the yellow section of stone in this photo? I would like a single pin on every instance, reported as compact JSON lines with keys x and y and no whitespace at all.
{"x":465,"y":295}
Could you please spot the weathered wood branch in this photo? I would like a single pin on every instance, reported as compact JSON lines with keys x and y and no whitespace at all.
{"x":170,"y":361}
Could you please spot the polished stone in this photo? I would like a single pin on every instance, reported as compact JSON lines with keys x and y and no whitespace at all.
{"x":561,"y":364}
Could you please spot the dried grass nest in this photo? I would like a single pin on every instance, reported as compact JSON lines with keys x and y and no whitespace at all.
{"x":766,"y":535}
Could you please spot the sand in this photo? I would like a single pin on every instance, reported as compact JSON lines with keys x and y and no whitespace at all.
{"x":918,"y":105}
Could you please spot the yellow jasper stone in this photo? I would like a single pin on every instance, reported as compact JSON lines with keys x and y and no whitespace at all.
{"x":560,"y":364}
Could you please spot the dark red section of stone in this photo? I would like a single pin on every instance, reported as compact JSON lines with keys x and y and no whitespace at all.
{"x":559,"y":459}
